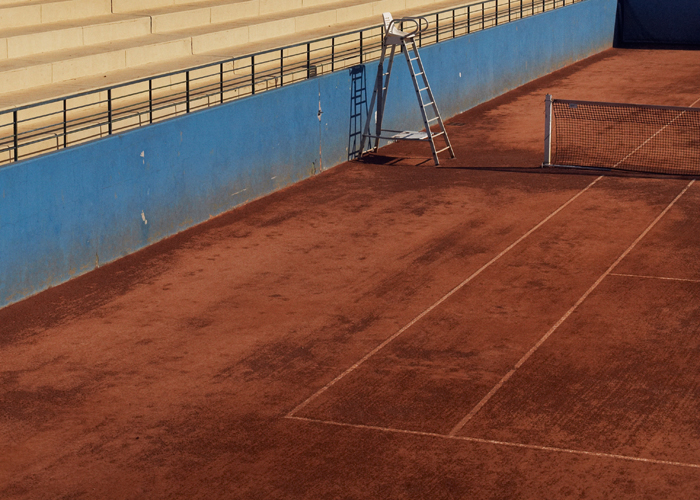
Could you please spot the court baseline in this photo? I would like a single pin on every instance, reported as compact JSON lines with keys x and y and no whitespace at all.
{"x":555,"y":449}
{"x":654,"y":277}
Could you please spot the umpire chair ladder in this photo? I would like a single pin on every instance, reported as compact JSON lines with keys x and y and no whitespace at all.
{"x":406,"y":43}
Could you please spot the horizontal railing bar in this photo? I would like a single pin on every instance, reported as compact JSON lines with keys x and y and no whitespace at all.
{"x":236,"y":77}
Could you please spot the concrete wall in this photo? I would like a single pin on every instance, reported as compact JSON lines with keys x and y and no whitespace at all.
{"x":63,"y":214}
{"x":674,"y":22}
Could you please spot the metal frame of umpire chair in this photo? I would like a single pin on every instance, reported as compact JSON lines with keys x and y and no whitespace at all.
{"x":405,"y":41}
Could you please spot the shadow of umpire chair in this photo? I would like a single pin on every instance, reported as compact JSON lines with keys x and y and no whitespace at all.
{"x":358,"y":109}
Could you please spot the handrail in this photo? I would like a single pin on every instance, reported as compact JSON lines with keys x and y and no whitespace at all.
{"x":418,"y":21}
{"x":38,"y":128}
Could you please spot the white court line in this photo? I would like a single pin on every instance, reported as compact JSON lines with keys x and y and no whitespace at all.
{"x":440,"y":301}
{"x":657,"y":133}
{"x":611,"y":456}
{"x":568,"y":313}
{"x":654,"y":277}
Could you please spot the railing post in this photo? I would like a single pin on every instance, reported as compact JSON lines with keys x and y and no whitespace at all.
{"x":521,"y":9}
{"x":510,"y":5}
{"x":187,"y":91}
{"x":437,"y":28}
{"x":333,"y":52}
{"x":469,"y":19}
{"x":547,"y":130}
{"x":496,"y":12}
{"x":109,"y":111}
{"x":281,"y":67}
{"x":483,"y":16}
{"x":308,"y":60}
{"x":150,"y":100}
{"x":65,"y":123}
{"x":361,"y":40}
{"x":252,"y":75}
{"x":15,"y":133}
{"x":221,"y":82}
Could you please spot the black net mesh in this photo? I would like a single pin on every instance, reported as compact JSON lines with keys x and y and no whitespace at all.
{"x":655,"y":139}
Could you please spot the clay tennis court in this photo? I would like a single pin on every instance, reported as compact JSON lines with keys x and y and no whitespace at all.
{"x":388,"y":329}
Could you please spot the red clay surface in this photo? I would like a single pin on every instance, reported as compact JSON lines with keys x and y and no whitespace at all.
{"x":305,"y":346}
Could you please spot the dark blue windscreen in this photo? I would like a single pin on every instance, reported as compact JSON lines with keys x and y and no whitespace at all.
{"x":659,"y":21}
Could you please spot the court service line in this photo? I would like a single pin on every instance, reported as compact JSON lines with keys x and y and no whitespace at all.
{"x":568,"y":313}
{"x":440,"y":301}
{"x":597,"y":454}
{"x":654,"y":277}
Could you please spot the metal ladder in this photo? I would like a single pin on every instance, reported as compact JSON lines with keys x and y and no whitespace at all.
{"x":429,"y":111}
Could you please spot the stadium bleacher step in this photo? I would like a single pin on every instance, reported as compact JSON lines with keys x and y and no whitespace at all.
{"x":29,"y":77}
{"x":202,"y":13}
{"x":122,"y":6}
{"x":58,"y":66}
{"x":226,"y":35}
{"x":28,"y":41}
{"x":18,"y":14}
{"x":36,"y":70}
{"x":261,"y":7}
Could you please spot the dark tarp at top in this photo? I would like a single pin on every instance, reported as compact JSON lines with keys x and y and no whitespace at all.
{"x":675,"y":22}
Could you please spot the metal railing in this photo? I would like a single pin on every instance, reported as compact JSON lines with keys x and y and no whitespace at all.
{"x":47,"y":126}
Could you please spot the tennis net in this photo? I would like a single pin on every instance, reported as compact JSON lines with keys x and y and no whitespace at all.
{"x":658,"y":139}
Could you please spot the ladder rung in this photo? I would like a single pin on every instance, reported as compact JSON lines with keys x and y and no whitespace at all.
{"x":381,"y":87}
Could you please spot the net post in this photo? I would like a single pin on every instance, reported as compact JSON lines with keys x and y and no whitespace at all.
{"x":547,"y":130}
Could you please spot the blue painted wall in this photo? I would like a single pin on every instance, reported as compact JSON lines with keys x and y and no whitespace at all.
{"x":63,"y":214}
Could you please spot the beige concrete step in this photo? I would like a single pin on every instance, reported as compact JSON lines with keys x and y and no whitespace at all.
{"x":122,"y":6}
{"x":185,"y":16}
{"x":44,"y":76}
{"x":27,"y":41}
{"x":214,"y":23}
{"x":204,"y":12}
{"x":82,"y":62}
{"x":50,"y":11}
{"x":262,"y":6}
{"x":18,"y":2}
{"x":325,"y":14}
{"x":25,"y":72}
